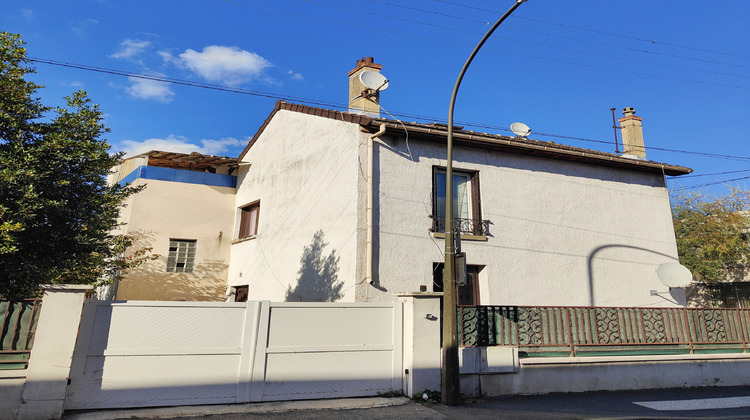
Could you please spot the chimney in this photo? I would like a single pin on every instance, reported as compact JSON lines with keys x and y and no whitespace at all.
{"x":632,"y":134}
{"x":361,"y":99}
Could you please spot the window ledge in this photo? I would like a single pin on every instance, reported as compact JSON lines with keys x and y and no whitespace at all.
{"x":464,"y":237}
{"x":245,"y":239}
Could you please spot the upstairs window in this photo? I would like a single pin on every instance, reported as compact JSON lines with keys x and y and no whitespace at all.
{"x":181,"y":258}
{"x":466,"y":204}
{"x":249,"y":220}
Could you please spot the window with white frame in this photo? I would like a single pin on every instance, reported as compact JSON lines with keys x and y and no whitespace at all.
{"x":181,"y":258}
{"x":466,"y":203}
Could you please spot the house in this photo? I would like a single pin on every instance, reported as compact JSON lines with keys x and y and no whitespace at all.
{"x":348,"y":206}
{"x":185,"y":216}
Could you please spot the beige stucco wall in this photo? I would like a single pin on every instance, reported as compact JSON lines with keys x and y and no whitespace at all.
{"x":304,"y":171}
{"x":178,"y":210}
{"x":561,"y":233}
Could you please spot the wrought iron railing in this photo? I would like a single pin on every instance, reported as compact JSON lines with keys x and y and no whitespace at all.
{"x":19,"y":319}
{"x":591,"y":331}
{"x":465,"y":226}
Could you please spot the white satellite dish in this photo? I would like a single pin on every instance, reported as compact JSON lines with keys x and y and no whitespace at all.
{"x":373,"y":80}
{"x":520,"y":129}
{"x":673,"y":274}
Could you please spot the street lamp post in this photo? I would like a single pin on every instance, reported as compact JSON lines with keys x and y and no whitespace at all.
{"x":450,"y":386}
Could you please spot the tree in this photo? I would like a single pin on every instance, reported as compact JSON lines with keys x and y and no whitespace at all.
{"x":56,"y":209}
{"x":712,"y":233}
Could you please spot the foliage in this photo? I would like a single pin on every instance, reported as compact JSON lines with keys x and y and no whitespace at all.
{"x":56,"y":209}
{"x":712,"y":232}
{"x":428,"y":396}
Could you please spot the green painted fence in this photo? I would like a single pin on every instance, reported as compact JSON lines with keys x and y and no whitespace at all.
{"x":593,"y":331}
{"x":17,"y":330}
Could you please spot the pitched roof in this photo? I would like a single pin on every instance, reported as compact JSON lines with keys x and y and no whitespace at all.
{"x":467,"y":138}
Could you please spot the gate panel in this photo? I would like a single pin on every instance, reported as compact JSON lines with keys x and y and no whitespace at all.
{"x":332,"y":350}
{"x":141,"y":354}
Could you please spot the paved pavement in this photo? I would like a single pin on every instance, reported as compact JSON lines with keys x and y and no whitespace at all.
{"x":695,"y":403}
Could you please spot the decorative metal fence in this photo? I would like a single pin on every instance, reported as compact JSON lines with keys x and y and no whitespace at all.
{"x":17,"y":330}
{"x":593,"y":331}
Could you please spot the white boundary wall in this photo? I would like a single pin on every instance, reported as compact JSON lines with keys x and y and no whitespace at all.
{"x":138,"y":353}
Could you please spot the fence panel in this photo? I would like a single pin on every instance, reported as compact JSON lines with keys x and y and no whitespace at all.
{"x":579,"y":331}
{"x":19,"y":319}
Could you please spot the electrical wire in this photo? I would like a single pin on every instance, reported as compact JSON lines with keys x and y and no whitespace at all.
{"x":633,"y":38}
{"x":337,"y":106}
{"x":360,"y":26}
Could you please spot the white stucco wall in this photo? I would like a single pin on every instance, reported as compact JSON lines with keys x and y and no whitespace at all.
{"x":178,"y":210}
{"x":561,"y":233}
{"x":304,"y":171}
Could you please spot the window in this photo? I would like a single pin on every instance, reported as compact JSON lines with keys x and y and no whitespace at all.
{"x":181,"y":257}
{"x":467,"y":294}
{"x":249,"y":219}
{"x":466,"y":204}
{"x":240,"y":293}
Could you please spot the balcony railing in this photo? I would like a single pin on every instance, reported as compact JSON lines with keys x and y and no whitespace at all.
{"x":592,"y":331}
{"x":465,"y":226}
{"x":17,"y":330}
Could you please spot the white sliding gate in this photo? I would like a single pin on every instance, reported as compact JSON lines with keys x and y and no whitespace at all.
{"x":138,"y":353}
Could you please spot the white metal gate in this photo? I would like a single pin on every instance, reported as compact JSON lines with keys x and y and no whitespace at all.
{"x":137,"y":354}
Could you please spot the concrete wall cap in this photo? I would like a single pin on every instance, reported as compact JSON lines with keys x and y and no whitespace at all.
{"x":66,"y":287}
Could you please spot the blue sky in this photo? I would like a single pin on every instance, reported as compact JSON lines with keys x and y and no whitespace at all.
{"x":558,"y":66}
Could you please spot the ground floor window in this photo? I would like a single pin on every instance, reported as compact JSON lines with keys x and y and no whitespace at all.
{"x":240,"y":293}
{"x":181,"y":258}
{"x":466,"y":295}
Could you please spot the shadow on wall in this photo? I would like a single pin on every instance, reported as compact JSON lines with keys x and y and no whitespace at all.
{"x":317,"y":279}
{"x":678,"y":298}
{"x":151,"y":281}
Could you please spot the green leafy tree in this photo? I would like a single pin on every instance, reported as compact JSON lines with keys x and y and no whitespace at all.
{"x":712,"y":233}
{"x":56,"y":209}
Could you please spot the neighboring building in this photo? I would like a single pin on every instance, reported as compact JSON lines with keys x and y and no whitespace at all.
{"x":184,"y":215}
{"x":318,"y":217}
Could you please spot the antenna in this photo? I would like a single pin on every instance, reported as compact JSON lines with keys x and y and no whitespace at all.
{"x":373,"y":80}
{"x":615,"y":127}
{"x":520,"y":129}
{"x":673,"y":274}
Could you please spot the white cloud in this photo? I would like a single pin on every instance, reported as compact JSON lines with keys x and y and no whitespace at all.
{"x":130,"y":48}
{"x":149,"y":89}
{"x":228,"y":65}
{"x":80,"y":27}
{"x":294,"y":75}
{"x":181,"y":144}
{"x":27,"y":14}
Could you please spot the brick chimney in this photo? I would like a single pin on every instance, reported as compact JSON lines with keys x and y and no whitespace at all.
{"x":359,"y":101}
{"x":632,"y":134}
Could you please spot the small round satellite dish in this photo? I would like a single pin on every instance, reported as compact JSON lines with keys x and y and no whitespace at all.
{"x":673,"y":274}
{"x":373,"y":80}
{"x":520,"y":129}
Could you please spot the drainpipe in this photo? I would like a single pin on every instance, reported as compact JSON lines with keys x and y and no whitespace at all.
{"x":370,"y":200}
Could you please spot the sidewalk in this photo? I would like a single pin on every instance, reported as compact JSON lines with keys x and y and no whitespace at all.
{"x":254,"y":408}
{"x":691,"y":403}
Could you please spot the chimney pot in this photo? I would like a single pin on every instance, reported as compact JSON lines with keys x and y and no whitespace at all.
{"x":628,"y":111}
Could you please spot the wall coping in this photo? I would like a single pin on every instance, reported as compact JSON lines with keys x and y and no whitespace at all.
{"x":12,"y":373}
{"x":625,"y":359}
{"x":66,"y":287}
{"x":420,"y":294}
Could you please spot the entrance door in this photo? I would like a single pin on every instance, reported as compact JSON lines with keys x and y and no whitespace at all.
{"x":466,"y":295}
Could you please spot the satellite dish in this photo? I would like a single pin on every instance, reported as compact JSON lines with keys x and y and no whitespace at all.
{"x":520,"y":129}
{"x":673,"y":274}
{"x":373,"y":80}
